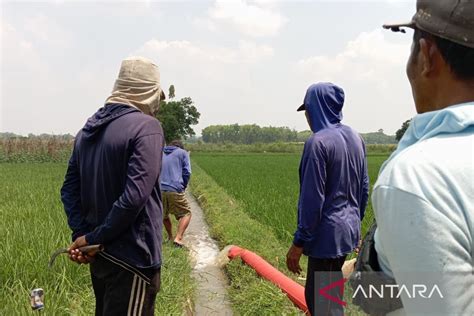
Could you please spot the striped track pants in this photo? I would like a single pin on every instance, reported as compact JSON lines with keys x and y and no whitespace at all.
{"x":121,"y":289}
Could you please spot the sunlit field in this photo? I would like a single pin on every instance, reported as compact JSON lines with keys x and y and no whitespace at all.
{"x":33,"y":225}
{"x":267,"y":185}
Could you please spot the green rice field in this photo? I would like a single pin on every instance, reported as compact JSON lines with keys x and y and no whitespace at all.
{"x":267,"y":185}
{"x":33,"y":225}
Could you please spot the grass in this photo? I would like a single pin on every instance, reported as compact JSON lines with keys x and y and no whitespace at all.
{"x":279,"y":147}
{"x":53,"y":149}
{"x":267,"y":185}
{"x":250,"y":200}
{"x":34,"y":225}
{"x":230,"y":224}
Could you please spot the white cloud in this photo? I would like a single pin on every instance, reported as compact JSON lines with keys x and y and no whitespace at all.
{"x":370,"y":57}
{"x":247,"y":52}
{"x":255,"y":19}
{"x":16,"y":49}
{"x":371,"y":70}
{"x":221,"y":80}
{"x":35,"y":87}
{"x":204,"y":23}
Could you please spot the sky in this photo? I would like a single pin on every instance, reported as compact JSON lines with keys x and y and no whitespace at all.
{"x":240,"y":61}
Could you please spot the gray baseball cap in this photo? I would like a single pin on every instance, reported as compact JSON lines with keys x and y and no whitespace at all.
{"x":449,"y":19}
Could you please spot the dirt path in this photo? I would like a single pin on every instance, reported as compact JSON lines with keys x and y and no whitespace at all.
{"x":211,"y":297}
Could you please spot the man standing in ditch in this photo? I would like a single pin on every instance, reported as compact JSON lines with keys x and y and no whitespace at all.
{"x":334,"y":188}
{"x":111,"y":193}
{"x":175,"y":176}
{"x":424,"y":197}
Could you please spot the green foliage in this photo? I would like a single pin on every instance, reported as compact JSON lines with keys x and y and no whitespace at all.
{"x":247,"y":134}
{"x":242,"y":148}
{"x":254,"y":187}
{"x":251,"y":134}
{"x":34,"y":225}
{"x":267,"y":185}
{"x":296,"y":148}
{"x":378,"y":138}
{"x":304,"y":135}
{"x":374,"y":138}
{"x":177,"y":117}
{"x":64,"y":137}
{"x":399,"y":134}
{"x":250,"y":295}
{"x":35,"y":149}
{"x":57,"y":149}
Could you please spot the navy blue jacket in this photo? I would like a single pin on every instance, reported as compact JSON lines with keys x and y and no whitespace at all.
{"x":111,"y":190}
{"x":334,"y":183}
{"x":176,"y":170}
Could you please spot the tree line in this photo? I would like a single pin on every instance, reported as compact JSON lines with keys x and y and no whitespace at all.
{"x":247,"y":134}
{"x":252,"y":134}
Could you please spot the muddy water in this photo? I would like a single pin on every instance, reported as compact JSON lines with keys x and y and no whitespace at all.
{"x":211,"y":294}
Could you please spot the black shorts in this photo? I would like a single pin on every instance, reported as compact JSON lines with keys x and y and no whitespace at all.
{"x":121,"y":289}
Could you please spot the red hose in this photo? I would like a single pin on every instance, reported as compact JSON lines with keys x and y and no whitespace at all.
{"x":293,"y":290}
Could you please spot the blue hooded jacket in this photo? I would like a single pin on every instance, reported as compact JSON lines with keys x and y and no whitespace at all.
{"x":176,"y":169}
{"x":111,"y":190}
{"x":334,"y":183}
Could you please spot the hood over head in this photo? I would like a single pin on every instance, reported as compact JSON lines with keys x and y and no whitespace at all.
{"x":323,"y":102}
{"x":138,"y":85}
{"x":103,"y":117}
{"x":169,"y":149}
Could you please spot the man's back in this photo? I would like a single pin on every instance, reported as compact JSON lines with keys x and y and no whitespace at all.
{"x":424,"y":206}
{"x":110,"y":146}
{"x":111,"y":193}
{"x":176,"y":169}
{"x":342,"y":153}
{"x":334,"y":189}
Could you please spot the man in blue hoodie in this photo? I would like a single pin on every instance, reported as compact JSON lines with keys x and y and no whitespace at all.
{"x":175,"y":176}
{"x":111,"y":193}
{"x":334,"y":187}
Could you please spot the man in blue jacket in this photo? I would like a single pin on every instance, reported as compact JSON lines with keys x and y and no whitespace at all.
{"x":175,"y":176}
{"x":334,"y":188}
{"x":111,"y":193}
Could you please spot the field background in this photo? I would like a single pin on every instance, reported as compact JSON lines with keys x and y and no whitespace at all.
{"x":250,"y":200}
{"x":267,"y":185}
{"x":33,"y":225}
{"x":248,"y":192}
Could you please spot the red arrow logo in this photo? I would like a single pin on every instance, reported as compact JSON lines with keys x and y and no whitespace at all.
{"x":339,"y":284}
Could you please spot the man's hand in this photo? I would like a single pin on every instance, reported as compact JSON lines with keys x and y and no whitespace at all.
{"x":348,"y":268}
{"x":76,"y":255}
{"x":293,"y":259}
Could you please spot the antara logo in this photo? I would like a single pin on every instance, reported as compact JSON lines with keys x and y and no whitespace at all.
{"x":339,"y":284}
{"x":383,"y":291}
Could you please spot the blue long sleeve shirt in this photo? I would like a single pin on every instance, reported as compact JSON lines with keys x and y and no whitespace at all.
{"x":176,"y":170}
{"x":111,"y":190}
{"x":334,"y":183}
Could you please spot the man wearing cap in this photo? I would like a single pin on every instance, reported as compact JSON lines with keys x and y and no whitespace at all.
{"x":424,"y":196}
{"x":334,"y":187}
{"x":111,"y":193}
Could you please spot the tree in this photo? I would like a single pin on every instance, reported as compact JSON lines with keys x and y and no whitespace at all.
{"x":171,"y":92}
{"x":247,"y":134}
{"x":378,"y":138}
{"x":304,"y":135}
{"x":177,"y":117}
{"x":399,"y":134}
